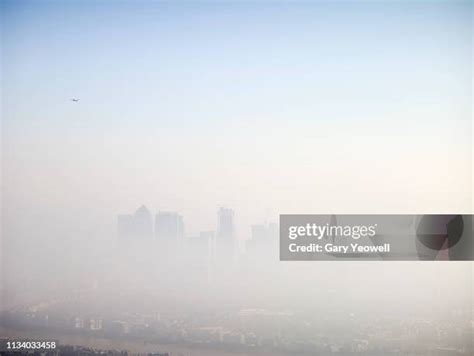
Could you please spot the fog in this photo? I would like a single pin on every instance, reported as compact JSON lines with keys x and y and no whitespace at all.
{"x":219,"y":117}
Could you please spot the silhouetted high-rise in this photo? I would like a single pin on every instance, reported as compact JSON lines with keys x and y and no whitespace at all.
{"x":264,"y":239}
{"x":225,"y":239}
{"x":200,"y":258}
{"x":137,"y":226}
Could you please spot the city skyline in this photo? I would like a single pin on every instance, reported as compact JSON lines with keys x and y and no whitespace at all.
{"x":288,"y":108}
{"x":166,"y":226}
{"x":192,"y":127}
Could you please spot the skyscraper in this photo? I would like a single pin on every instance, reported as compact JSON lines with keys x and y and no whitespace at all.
{"x":135,"y":227}
{"x":264,"y":240}
{"x":200,"y":256}
{"x":225,"y":239}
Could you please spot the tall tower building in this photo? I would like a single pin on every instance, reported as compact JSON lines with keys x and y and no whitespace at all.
{"x":225,"y":237}
{"x":263,"y":241}
{"x":135,"y":227}
{"x":200,"y":256}
{"x":143,"y":223}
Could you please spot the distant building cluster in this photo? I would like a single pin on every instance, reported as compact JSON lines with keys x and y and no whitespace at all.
{"x":139,"y":226}
{"x":256,"y":331}
{"x":167,"y":229}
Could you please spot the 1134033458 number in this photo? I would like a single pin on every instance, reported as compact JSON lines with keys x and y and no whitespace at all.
{"x":28,"y":345}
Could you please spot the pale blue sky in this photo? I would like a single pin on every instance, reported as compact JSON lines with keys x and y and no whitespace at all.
{"x":193,"y":63}
{"x":187,"y":105}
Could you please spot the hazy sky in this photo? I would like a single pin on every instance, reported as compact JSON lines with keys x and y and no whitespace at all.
{"x":267,"y":107}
